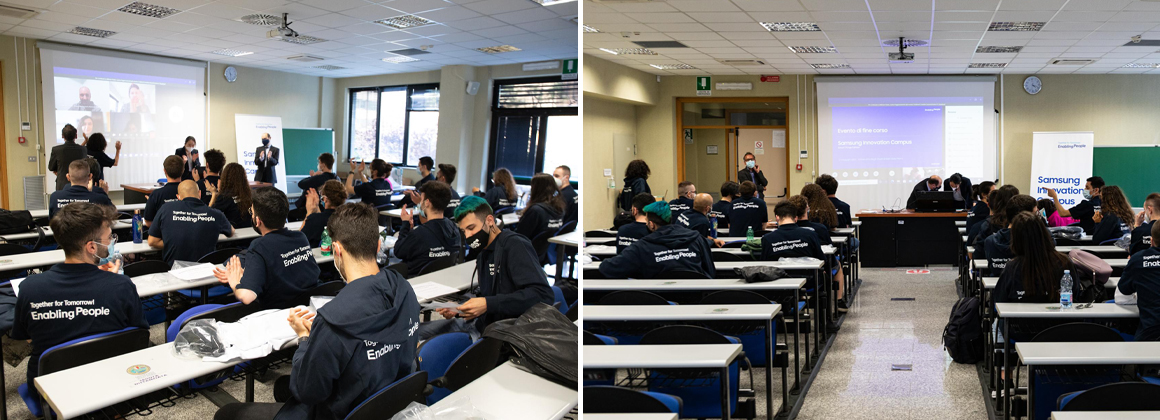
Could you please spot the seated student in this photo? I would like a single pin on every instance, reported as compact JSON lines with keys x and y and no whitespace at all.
{"x":1086,"y":209}
{"x":374,"y":315}
{"x":790,"y":239}
{"x":748,"y":212}
{"x":1142,"y":234}
{"x":436,"y":238}
{"x":502,"y":192}
{"x":376,"y":191}
{"x":684,"y":201}
{"x":696,"y":218}
{"x":1142,"y":277}
{"x":635,"y":182}
{"x":511,"y":279}
{"x":168,"y":192}
{"x":830,"y":186}
{"x":545,"y":211}
{"x":333,"y":194}
{"x":215,"y":161}
{"x":926,"y":185}
{"x":446,"y":175}
{"x":278,"y":266}
{"x":1047,"y":211}
{"x":102,"y":300}
{"x":1115,"y":219}
{"x":78,"y":191}
{"x":997,"y":247}
{"x":629,"y":233}
{"x":187,"y":229}
{"x":994,"y":222}
{"x":563,"y":175}
{"x":1033,"y":274}
{"x":822,"y":217}
{"x":314,"y":182}
{"x":981,"y":210}
{"x":669,"y":247}
{"x":232,"y":195}
{"x":729,"y":191}
{"x":426,"y":167}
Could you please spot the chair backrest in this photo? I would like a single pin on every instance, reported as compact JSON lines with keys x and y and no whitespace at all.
{"x":330,"y":288}
{"x":540,"y":243}
{"x":614,"y":399}
{"x":573,"y":312}
{"x":179,"y":323}
{"x":683,"y":334}
{"x":228,"y":313}
{"x":559,"y":298}
{"x":146,"y":267}
{"x":438,"y":264}
{"x":599,"y":234}
{"x":436,"y":355}
{"x":392,"y":399}
{"x":735,"y":297}
{"x":13,"y":249}
{"x":1123,"y":396}
{"x":220,"y":256}
{"x":93,"y":348}
{"x":567,"y":228}
{"x":591,"y":339}
{"x":735,"y":244}
{"x":1078,"y":332}
{"x":593,"y":274}
{"x":477,"y":360}
{"x":681,"y":274}
{"x":632,"y":297}
{"x":504,"y":210}
{"x":726,"y":256}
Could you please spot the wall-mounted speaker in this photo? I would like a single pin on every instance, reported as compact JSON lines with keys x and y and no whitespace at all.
{"x":472,"y":87}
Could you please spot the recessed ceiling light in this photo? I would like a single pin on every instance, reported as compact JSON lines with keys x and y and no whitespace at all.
{"x":828,"y":66}
{"x":1016,"y":26}
{"x":987,"y":65}
{"x":590,"y":29}
{"x":999,"y":50}
{"x":262,"y":19}
{"x":1141,"y":65}
{"x":498,"y":49}
{"x":399,"y":59}
{"x":302,"y":40}
{"x":552,"y":2}
{"x":813,"y":50}
{"x":329,"y":67}
{"x":791,"y":26}
{"x":629,"y":51}
{"x":99,"y":33}
{"x":231,"y":52}
{"x":148,"y":10}
{"x":673,"y":66}
{"x":405,"y":22}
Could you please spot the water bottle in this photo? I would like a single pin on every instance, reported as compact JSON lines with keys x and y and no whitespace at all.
{"x":1065,"y":290}
{"x":749,"y":235}
{"x":137,"y":226}
{"x":713,"y":227}
{"x":325,"y":242}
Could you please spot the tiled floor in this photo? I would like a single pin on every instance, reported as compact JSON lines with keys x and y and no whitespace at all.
{"x":855,"y":380}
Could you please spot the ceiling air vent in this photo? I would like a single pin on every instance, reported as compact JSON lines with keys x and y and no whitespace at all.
{"x":661,"y":44}
{"x":1071,"y":61}
{"x":16,"y":12}
{"x":304,"y":58}
{"x":742,"y":63}
{"x":409,"y":52}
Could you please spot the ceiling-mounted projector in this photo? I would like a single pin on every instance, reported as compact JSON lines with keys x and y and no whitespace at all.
{"x":901,"y":56}
{"x":283,"y":31}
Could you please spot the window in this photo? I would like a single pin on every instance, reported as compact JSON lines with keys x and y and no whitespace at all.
{"x":535,"y":127}
{"x":398,"y":124}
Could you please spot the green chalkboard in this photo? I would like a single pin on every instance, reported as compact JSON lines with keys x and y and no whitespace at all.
{"x":1131,"y":168}
{"x":301,"y":147}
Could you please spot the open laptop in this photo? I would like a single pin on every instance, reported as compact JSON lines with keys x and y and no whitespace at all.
{"x":935,"y":201}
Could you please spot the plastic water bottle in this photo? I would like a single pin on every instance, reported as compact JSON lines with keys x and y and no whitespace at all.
{"x":749,"y":235}
{"x":1065,"y":290}
{"x":713,"y":227}
{"x":325,"y":242}
{"x":137,"y":225}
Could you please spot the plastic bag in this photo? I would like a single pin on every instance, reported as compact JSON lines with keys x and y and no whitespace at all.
{"x":1066,"y":232}
{"x":457,"y":409}
{"x":1125,"y":243}
{"x":199,"y":338}
{"x":386,"y":243}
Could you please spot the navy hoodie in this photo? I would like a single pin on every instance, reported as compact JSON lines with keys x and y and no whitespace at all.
{"x":497,"y":198}
{"x":629,"y":234}
{"x":1142,"y":277}
{"x":571,"y":203}
{"x":1141,"y":237}
{"x":376,"y":192}
{"x":632,"y":187}
{"x":316,"y":182}
{"x":1110,"y":227}
{"x":540,"y":218}
{"x":981,"y":212}
{"x":790,"y":240}
{"x":695,"y":221}
{"x":510,"y":278}
{"x":680,"y":205}
{"x":997,"y":249}
{"x":449,"y":211}
{"x":1084,"y":211}
{"x":820,"y":230}
{"x":845,"y":218}
{"x":721,"y":212}
{"x":671,"y":247}
{"x":360,"y":342}
{"x":75,"y":194}
{"x":428,"y":242}
{"x":746,"y":213}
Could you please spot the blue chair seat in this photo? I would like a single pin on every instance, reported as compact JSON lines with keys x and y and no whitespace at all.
{"x":213,"y":292}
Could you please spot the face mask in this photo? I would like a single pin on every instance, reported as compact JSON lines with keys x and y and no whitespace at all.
{"x":479,"y":239}
{"x":265,"y":142}
{"x":111,"y":252}
{"x":1087,"y":195}
{"x":559,"y":182}
{"x":750,"y":164}
{"x":1043,"y":214}
{"x":338,"y":261}
{"x":419,"y":210}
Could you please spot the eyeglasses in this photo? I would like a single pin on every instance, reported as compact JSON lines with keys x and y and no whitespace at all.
{"x":112,"y":240}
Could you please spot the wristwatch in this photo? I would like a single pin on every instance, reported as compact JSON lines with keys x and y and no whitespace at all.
{"x":303,"y":339}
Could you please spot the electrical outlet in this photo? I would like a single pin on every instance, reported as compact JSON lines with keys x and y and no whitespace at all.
{"x":607,"y":171}
{"x":32,"y":158}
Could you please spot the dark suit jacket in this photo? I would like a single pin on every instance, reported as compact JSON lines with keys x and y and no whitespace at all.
{"x":61,"y":156}
{"x":965,"y":190}
{"x":914,"y":193}
{"x":188,"y":173}
{"x":265,"y":171}
{"x":757,"y":178}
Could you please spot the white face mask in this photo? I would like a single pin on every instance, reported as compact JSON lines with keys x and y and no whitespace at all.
{"x":750,"y":164}
{"x":559,"y":182}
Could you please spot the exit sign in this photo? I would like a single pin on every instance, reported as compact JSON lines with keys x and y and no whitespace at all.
{"x":704,"y":86}
{"x":771,"y":79}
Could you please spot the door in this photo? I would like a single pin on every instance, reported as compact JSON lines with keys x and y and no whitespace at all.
{"x":769,"y":152}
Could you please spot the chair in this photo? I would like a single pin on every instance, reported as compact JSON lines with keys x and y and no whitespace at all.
{"x":1122,"y":396}
{"x":392,"y":399}
{"x":79,"y":352}
{"x":593,"y":274}
{"x":143,"y":268}
{"x":330,"y":288}
{"x":726,"y":256}
{"x":436,"y":355}
{"x":438,"y":264}
{"x":13,"y":249}
{"x":233,"y":313}
{"x":681,"y":275}
{"x":751,"y":334}
{"x":627,"y":332}
{"x":599,"y":376}
{"x":591,"y":339}
{"x":567,"y":228}
{"x":699,"y":389}
{"x":504,"y":210}
{"x":612,"y":399}
{"x":1052,"y":382}
{"x":559,"y":298}
{"x":540,"y":244}
{"x":476,"y":361}
{"x":573,"y":312}
{"x":599,"y":234}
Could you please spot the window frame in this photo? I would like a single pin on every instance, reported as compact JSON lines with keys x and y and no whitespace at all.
{"x":378,"y":90}
{"x":541,"y":114}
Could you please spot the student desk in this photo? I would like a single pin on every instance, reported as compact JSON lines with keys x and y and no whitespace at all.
{"x":139,"y":193}
{"x":1092,"y":415}
{"x":608,"y":251}
{"x":637,"y":416}
{"x":120,"y":224}
{"x":675,"y":356}
{"x":127,"y":208}
{"x":706,"y":313}
{"x":909,"y":239}
{"x":563,"y":243}
{"x":1083,"y":354}
{"x":510,"y":393}
{"x":961,"y":223}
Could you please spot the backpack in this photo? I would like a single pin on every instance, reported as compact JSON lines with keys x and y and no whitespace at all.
{"x":18,"y":221}
{"x":1091,"y":273}
{"x":963,"y":335}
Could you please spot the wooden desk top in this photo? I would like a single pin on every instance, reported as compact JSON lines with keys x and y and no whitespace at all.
{"x":912,"y":213}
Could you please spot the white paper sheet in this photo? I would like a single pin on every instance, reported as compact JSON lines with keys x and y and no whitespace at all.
{"x":16,"y":286}
{"x":431,"y":290}
{"x":195,"y":272}
{"x":437,"y":305}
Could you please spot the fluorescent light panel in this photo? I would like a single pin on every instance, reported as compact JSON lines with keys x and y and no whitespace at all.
{"x":1141,"y":65}
{"x":673,"y":66}
{"x":814,"y":50}
{"x":1016,"y":26}
{"x":791,"y":26}
{"x":399,"y":59}
{"x":148,"y":10}
{"x":589,"y":29}
{"x":99,"y":33}
{"x":999,"y":50}
{"x":629,"y":51}
{"x":498,"y":49}
{"x":405,"y":22}
{"x":987,"y":65}
{"x":231,"y":52}
{"x":829,"y":66}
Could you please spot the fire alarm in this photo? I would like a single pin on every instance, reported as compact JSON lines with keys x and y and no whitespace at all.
{"x":799,"y":166}
{"x":21,"y":139}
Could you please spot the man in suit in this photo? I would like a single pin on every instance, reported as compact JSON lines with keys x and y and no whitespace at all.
{"x":64,"y":154}
{"x":961,"y":186}
{"x":190,"y":156}
{"x":929,"y":184}
{"x":752,"y":173}
{"x":266,"y":158}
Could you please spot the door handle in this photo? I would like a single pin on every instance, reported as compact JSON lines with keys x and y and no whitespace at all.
{"x":784,"y":192}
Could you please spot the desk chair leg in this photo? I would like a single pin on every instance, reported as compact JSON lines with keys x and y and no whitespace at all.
{"x":797,"y":356}
{"x":770,"y":344}
{"x":725,"y":403}
{"x":249,"y":387}
{"x":204,"y":295}
{"x":3,"y":395}
{"x":1006,"y":393}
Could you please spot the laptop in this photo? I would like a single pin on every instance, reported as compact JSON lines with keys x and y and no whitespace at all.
{"x":935,"y":201}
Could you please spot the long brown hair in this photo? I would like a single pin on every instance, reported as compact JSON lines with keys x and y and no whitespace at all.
{"x":503,"y":178}
{"x":1039,"y":261}
{"x":821,"y":209}
{"x":1112,"y":199}
{"x":998,"y":201}
{"x":235,"y":184}
{"x":543,"y":190}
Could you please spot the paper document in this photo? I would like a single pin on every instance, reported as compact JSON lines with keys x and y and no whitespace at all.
{"x":431,"y":290}
{"x":510,"y":219}
{"x":194,"y":272}
{"x":436,"y":305}
{"x":317,"y":302}
{"x":16,"y":286}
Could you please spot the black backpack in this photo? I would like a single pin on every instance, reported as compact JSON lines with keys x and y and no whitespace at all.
{"x":963,"y":335}
{"x":18,"y":221}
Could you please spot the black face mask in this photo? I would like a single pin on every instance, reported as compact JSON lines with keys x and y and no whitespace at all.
{"x":480,"y":239}
{"x":265,"y":142}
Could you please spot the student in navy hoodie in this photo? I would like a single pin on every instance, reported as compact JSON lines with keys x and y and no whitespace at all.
{"x":696,"y":219}
{"x":830,"y":185}
{"x":79,"y":189}
{"x":315,"y":181}
{"x":1142,"y":277}
{"x":635,"y":182}
{"x":510,"y":277}
{"x":684,"y":201}
{"x":436,"y":238}
{"x":632,"y":232}
{"x":998,"y":245}
{"x":749,"y":211}
{"x":1086,"y":209}
{"x":446,"y":175}
{"x":359,"y":343}
{"x":173,"y":166}
{"x":1142,"y":234}
{"x":187,"y":229}
{"x":544,"y":214}
{"x":563,"y":175}
{"x":790,"y":239}
{"x":426,"y":169}
{"x":332,"y":195}
{"x":982,"y":210}
{"x":729,"y":191}
{"x":502,"y":192}
{"x":377,"y":190}
{"x":669,"y":247}
{"x":1115,"y":219}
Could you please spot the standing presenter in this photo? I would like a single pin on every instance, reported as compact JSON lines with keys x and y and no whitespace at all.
{"x":266,"y":158}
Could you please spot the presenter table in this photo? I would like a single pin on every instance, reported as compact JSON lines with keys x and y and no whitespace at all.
{"x":138,"y":193}
{"x":908,"y":239}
